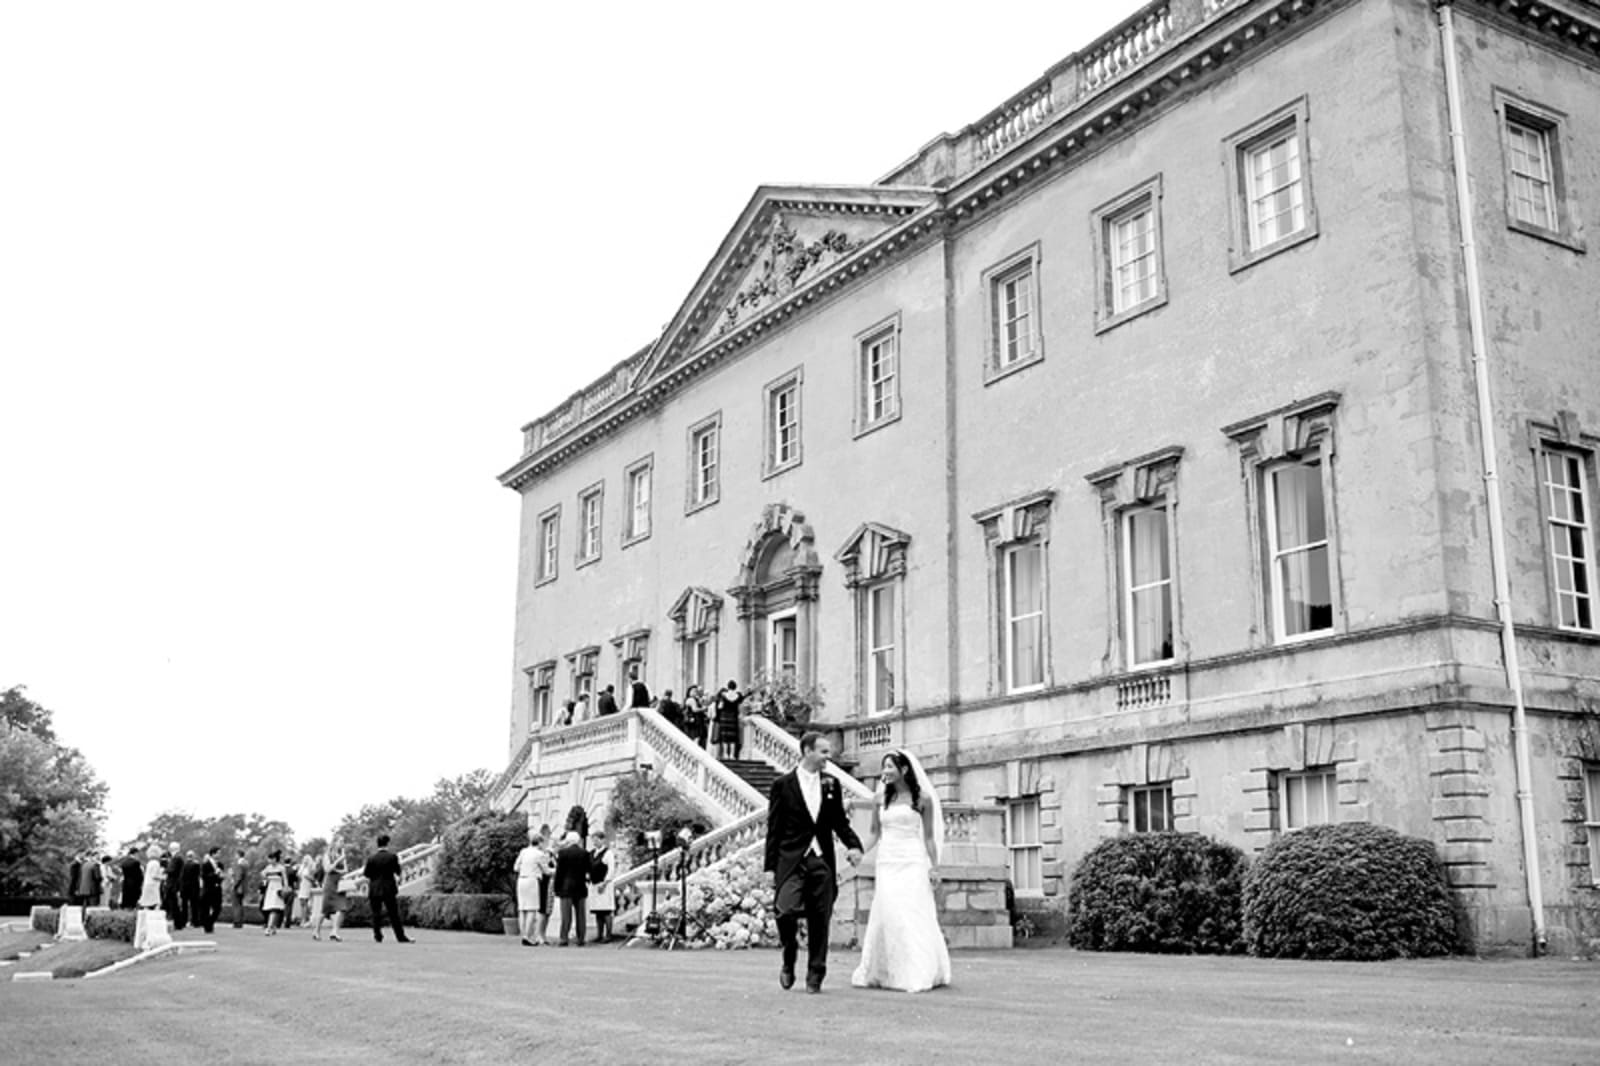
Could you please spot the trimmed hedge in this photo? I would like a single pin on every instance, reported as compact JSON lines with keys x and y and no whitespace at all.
{"x":1349,"y":891}
{"x":1173,"y":893}
{"x":111,"y":925}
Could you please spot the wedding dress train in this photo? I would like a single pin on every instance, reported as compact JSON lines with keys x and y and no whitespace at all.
{"x":903,"y":947}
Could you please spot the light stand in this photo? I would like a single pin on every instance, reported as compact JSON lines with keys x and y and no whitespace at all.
{"x":681,"y":936}
{"x":652,"y":922}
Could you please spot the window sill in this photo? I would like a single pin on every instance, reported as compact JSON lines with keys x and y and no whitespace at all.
{"x":1111,"y":322}
{"x":772,"y":472}
{"x":992,"y":373}
{"x":1027,"y":690}
{"x":1238,"y":260}
{"x":551,"y":580}
{"x":692,"y":507}
{"x":628,"y":542}
{"x":579,"y":564}
{"x":873,"y":427}
{"x":1569,"y":241}
{"x":1305,"y":638}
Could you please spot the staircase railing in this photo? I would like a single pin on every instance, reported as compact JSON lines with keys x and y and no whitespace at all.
{"x":781,"y":751}
{"x":682,"y":761}
{"x":715,"y":847}
{"x":418,"y":864}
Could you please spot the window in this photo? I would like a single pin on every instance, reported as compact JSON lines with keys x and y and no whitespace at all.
{"x":697,"y":663}
{"x":1591,"y":794}
{"x":541,"y":680}
{"x":1146,"y":585}
{"x":1538,"y":201}
{"x":633,"y":654}
{"x":881,"y":619}
{"x":1309,"y":797}
{"x":1012,"y":310}
{"x":584,"y":664}
{"x":1017,"y":535}
{"x":1567,"y":511}
{"x":695,"y":617}
{"x":878,"y":376}
{"x":589,"y":514}
{"x":549,"y":544}
{"x":1269,"y":171}
{"x":636,"y":500}
{"x":1150,"y":807}
{"x":705,"y":468}
{"x":1024,"y":616}
{"x":1022,"y":842}
{"x":783,"y":644}
{"x":783,"y":424}
{"x":1128,"y":260}
{"x":1297,"y":543}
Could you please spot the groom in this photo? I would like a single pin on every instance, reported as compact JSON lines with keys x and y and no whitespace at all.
{"x":804,"y":812}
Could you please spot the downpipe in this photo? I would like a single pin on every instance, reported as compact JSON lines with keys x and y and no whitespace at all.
{"x":1491,"y":476}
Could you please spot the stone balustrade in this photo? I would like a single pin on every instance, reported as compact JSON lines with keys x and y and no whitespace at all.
{"x":1125,"y":48}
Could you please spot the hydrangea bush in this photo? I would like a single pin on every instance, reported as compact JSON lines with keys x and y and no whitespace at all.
{"x":730,"y":907}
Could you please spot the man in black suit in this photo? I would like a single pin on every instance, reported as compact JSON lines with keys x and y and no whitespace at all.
{"x":132,"y":879}
{"x":607,"y":703}
{"x":211,"y":888}
{"x":189,"y":890}
{"x":572,"y":885}
{"x":172,"y":889}
{"x":382,"y":872}
{"x":638,"y":691}
{"x":804,"y":813}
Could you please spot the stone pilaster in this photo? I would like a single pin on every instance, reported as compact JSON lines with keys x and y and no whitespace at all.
{"x":1460,"y":798}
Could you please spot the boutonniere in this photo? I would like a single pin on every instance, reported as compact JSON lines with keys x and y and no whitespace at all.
{"x":829,"y":786}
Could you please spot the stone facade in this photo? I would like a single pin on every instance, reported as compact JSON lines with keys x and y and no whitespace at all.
{"x":870,"y":530}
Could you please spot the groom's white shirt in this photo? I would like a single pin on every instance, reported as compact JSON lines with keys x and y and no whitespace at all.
{"x":811,"y":789}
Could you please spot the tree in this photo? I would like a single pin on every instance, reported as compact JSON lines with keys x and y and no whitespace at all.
{"x":417,"y":821}
{"x":480,"y":851}
{"x":51,"y":802}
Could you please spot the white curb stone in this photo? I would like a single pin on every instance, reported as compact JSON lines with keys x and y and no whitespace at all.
{"x":176,"y":947}
{"x":37,"y":975}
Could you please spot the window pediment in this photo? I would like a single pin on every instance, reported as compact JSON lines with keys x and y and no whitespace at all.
{"x":872,"y":552}
{"x":1020,"y":519}
{"x":1149,"y":477}
{"x":1289,"y":430}
{"x":696,"y":610}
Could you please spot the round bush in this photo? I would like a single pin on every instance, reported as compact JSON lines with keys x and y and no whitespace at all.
{"x":1177,"y":893}
{"x":1349,"y":891}
{"x":480,"y":853}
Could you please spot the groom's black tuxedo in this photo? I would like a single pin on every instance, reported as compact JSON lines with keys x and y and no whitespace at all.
{"x":804,"y":880}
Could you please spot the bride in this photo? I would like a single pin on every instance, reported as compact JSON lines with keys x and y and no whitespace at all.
{"x":903,"y":947}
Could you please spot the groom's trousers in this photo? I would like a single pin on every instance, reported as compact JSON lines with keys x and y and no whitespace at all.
{"x":808,"y":890}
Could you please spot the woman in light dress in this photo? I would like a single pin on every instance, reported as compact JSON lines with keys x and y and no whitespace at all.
{"x":155,"y":872}
{"x":602,"y":899}
{"x":903,"y":947}
{"x":307,"y":871}
{"x":534,"y":865}
{"x":274,"y":879}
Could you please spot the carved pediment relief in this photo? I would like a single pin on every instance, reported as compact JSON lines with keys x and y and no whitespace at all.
{"x":794,"y":249}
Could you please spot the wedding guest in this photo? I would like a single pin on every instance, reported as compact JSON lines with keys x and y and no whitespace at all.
{"x":89,"y":881}
{"x":544,"y":882}
{"x":638,"y":693}
{"x":110,"y":882}
{"x":172,"y":888}
{"x":74,"y":875}
{"x":132,"y":878}
{"x":238,"y":881}
{"x":578,"y":822}
{"x":533,"y":868}
{"x":572,"y":886}
{"x":727,"y":707}
{"x":607,"y":703}
{"x":274,"y":887}
{"x":569,"y":713}
{"x":291,"y":891}
{"x":602,"y":901}
{"x":151,"y":893}
{"x":335,"y":904}
{"x":189,"y":890}
{"x":211,"y":887}
{"x":306,"y":880}
{"x":672,"y":711}
{"x":695,"y":717}
{"x":382,"y":872}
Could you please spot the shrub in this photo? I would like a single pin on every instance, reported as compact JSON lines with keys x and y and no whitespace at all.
{"x":471,"y":912}
{"x":1176,"y":893}
{"x":111,"y":925}
{"x":45,"y":919}
{"x":480,"y":853}
{"x":644,"y":801}
{"x":1349,"y":891}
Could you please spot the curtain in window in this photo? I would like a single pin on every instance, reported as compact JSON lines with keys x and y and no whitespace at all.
{"x":882,"y":637}
{"x":1150,"y":584}
{"x":1026,"y":564}
{"x":1306,"y":595}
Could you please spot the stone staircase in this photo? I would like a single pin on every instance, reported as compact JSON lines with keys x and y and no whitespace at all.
{"x":755,"y":773}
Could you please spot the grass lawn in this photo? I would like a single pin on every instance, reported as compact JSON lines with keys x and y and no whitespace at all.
{"x":473,"y":998}
{"x":64,"y":960}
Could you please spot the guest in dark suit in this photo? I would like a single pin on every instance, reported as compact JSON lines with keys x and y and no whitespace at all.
{"x":238,"y":882}
{"x":382,"y":872}
{"x":804,"y":813}
{"x":672,"y":711}
{"x":607,"y":703}
{"x":572,"y":885}
{"x":638,"y":693}
{"x":73,"y":872}
{"x":172,"y":889}
{"x":189,"y":889}
{"x":211,"y":888}
{"x":132,"y":878}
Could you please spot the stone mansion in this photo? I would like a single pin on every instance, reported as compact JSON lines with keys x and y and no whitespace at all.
{"x":1205,"y":438}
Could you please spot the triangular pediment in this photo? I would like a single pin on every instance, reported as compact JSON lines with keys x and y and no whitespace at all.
{"x":786,"y":238}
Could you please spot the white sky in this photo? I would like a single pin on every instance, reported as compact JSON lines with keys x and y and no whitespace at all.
{"x":280,"y":282}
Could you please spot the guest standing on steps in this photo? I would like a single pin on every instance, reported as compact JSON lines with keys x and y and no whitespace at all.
{"x":726,"y":716}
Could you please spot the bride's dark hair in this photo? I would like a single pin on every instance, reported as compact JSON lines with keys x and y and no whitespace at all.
{"x":909,"y":776}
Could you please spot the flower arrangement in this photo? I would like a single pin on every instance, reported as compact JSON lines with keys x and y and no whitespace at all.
{"x":729,"y":907}
{"x":782,"y":699}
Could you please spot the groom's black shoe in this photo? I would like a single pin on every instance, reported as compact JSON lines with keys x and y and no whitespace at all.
{"x":786,"y":978}
{"x":813,"y":987}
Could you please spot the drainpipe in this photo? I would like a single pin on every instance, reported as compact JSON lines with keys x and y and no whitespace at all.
{"x":1491,"y":476}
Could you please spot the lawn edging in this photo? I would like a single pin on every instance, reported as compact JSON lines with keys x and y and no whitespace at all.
{"x":177,"y":947}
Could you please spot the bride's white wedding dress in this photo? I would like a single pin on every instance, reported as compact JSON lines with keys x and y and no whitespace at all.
{"x":903,"y":947}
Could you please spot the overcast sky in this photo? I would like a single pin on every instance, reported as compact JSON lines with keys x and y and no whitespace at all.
{"x":280,"y":282}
